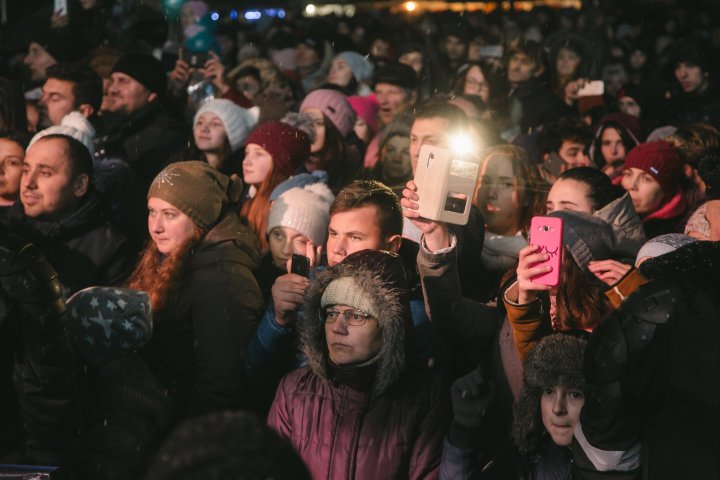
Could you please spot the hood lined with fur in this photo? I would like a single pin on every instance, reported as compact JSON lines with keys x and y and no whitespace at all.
{"x":395,"y":324}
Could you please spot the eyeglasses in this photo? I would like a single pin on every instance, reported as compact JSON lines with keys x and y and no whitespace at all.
{"x":355,"y":318}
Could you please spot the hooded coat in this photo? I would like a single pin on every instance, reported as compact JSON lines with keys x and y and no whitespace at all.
{"x":197,"y":348}
{"x":381,"y":420}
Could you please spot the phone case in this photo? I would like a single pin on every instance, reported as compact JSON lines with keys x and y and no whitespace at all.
{"x":547,"y":233}
{"x":300,"y":264}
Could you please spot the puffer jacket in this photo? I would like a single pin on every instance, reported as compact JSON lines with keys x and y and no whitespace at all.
{"x":375,"y":421}
{"x":197,"y":347}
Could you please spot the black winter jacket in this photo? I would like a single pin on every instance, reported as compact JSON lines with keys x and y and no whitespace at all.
{"x":83,"y":248}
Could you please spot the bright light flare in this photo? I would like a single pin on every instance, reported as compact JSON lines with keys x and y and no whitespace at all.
{"x":462,"y":143}
{"x":410,"y":6}
{"x":310,"y":9}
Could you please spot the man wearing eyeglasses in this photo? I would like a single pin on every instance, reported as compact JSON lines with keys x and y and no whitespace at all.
{"x":360,"y":409}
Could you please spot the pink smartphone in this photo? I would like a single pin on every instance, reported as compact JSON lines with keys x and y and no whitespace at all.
{"x":547,"y":233}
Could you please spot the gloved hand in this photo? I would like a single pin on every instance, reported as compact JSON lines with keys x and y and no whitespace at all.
{"x":471,"y":396}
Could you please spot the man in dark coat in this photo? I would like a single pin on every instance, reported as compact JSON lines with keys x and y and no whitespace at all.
{"x":137,"y":132}
{"x":60,"y":213}
{"x":359,"y":409}
{"x":530,"y":91}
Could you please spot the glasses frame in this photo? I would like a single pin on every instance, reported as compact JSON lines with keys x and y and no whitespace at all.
{"x":365,"y":316}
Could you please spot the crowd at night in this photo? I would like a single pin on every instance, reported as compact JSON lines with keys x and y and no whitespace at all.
{"x":394,"y":241}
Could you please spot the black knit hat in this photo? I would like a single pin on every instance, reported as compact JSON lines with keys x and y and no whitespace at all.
{"x":692,"y":50}
{"x":396,"y":74}
{"x":316,"y":42}
{"x":144,"y":68}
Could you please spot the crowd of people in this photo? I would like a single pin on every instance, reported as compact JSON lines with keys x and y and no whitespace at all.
{"x":213,"y":265}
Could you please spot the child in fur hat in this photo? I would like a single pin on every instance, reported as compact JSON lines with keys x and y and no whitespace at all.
{"x":544,"y":417}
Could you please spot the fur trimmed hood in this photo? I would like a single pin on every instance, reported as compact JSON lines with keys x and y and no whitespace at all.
{"x":556,"y":360}
{"x":383,"y":279}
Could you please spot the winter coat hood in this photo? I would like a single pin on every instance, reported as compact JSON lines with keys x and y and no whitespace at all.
{"x":383,"y":280}
{"x":627,"y":225}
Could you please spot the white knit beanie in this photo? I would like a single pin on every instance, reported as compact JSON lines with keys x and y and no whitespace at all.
{"x":238,"y":121}
{"x":74,"y":125}
{"x":306,"y":210}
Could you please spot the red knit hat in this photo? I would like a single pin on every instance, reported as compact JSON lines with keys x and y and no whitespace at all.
{"x":661,"y":161}
{"x":288,"y":146}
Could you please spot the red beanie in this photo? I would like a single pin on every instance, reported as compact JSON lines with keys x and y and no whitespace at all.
{"x":288,"y":146}
{"x":661,"y":161}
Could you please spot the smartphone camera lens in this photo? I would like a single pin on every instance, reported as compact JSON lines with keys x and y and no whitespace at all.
{"x":546,"y":228}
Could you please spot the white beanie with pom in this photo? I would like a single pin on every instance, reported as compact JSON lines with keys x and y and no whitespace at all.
{"x":74,"y":125}
{"x":306,"y":210}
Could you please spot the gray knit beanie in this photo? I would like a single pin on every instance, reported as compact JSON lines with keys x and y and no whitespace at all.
{"x":238,"y":122}
{"x":587,"y":238}
{"x":663,"y":244}
{"x":362,"y":68}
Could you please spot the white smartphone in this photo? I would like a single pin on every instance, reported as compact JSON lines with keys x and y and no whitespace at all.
{"x":594,"y":88}
{"x":491,"y":51}
{"x":61,"y":7}
{"x":445,"y":183}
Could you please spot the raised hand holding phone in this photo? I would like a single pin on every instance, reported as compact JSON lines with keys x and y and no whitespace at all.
{"x":538,"y":260}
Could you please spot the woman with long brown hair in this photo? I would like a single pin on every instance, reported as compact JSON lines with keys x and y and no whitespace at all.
{"x":274,"y":151}
{"x":197,"y":271}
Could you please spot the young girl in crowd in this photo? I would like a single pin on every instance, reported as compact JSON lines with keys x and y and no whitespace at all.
{"x":652,"y":176}
{"x":220,"y":129}
{"x":544,"y":417}
{"x":509,"y":192}
{"x":197,"y":272}
{"x":612,"y":143}
{"x":336,"y":149}
{"x":274,"y":152}
{"x":351,"y":72}
{"x":366,"y":110}
{"x":298,"y":221}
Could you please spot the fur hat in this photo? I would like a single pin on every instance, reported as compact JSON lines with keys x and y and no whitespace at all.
{"x":362,"y":68}
{"x":196,"y":189}
{"x":587,"y":238}
{"x":379,"y":285}
{"x":238,"y":122}
{"x":107,"y":322}
{"x":145,"y":69}
{"x":74,"y":125}
{"x":661,"y":161}
{"x":306,"y":210}
{"x":334,"y":106}
{"x":288,"y":146}
{"x":556,"y":360}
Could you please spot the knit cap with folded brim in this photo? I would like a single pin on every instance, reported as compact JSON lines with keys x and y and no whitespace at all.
{"x":334,"y":105}
{"x":196,"y":189}
{"x":587,"y":238}
{"x":288,"y":146}
{"x":306,"y":210}
{"x":238,"y":122}
{"x":73,"y":125}
{"x":661,"y":161}
{"x":663,"y":244}
{"x":106,"y":323}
